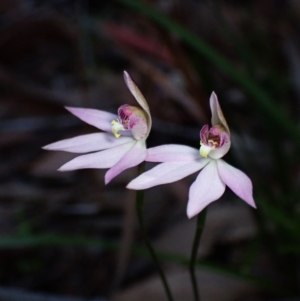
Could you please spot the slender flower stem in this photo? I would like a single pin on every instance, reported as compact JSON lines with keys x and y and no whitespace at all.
{"x":192,"y":265}
{"x":139,"y":209}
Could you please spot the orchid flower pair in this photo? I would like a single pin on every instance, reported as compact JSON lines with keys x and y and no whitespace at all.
{"x":120,"y":151}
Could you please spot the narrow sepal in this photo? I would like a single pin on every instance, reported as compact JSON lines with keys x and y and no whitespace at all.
{"x":133,"y":157}
{"x":237,"y":181}
{"x":100,"y":119}
{"x":172,"y":153}
{"x":216,"y":112}
{"x":207,"y":188}
{"x":103,"y":159}
{"x":135,"y":91}
{"x":87,"y":143}
{"x":167,"y":172}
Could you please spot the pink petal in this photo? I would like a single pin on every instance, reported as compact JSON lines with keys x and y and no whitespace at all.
{"x":99,"y":119}
{"x":135,"y":91}
{"x":88,"y":143}
{"x":166,"y":173}
{"x":102,"y":159}
{"x":216,"y":112}
{"x":133,"y":157}
{"x":207,"y":188}
{"x":172,"y":153}
{"x":237,"y":181}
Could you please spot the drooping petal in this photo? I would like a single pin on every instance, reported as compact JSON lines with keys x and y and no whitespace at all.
{"x":100,"y":119}
{"x":237,"y":181}
{"x":133,"y":157}
{"x":172,"y":153}
{"x":207,"y":188}
{"x":167,"y":172}
{"x":135,"y":91}
{"x":88,"y":143}
{"x":103,"y":159}
{"x":216,"y":112}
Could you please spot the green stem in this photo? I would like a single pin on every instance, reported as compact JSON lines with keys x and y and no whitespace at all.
{"x":139,"y":209}
{"x":193,"y":260}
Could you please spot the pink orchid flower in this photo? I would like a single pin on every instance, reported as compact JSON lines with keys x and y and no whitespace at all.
{"x":181,"y":161}
{"x":122,"y":144}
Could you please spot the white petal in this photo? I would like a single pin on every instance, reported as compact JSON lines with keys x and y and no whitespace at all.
{"x":220,"y":151}
{"x":166,"y":173}
{"x":217,"y":116}
{"x":237,"y":181}
{"x":135,"y":91}
{"x":172,"y":153}
{"x":88,"y":143}
{"x":133,"y":157}
{"x":103,"y":159}
{"x":207,"y":188}
{"x":100,"y":119}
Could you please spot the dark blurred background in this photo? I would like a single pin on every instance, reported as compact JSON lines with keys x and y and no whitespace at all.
{"x":70,"y":236}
